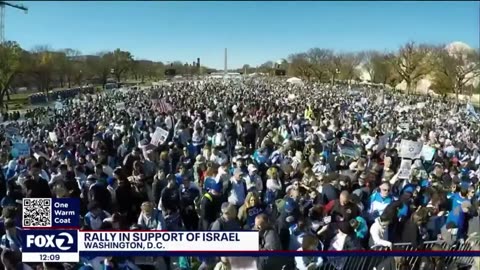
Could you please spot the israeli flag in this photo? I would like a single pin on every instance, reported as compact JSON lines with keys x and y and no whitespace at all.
{"x":471,"y":111}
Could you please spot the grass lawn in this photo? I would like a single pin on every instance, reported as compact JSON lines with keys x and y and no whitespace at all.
{"x":18,"y":101}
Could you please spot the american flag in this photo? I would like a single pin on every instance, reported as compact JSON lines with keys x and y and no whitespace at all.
{"x":162,"y":106}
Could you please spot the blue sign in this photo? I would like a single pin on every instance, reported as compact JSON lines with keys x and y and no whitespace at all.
{"x":20,"y":150}
{"x":65,"y":212}
{"x":49,"y":241}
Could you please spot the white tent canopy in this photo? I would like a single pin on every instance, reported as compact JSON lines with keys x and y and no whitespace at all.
{"x":295,"y":80}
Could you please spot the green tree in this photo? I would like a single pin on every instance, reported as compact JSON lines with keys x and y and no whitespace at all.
{"x":122,"y":62}
{"x":73,"y":67}
{"x":43,"y":67}
{"x":267,"y":67}
{"x":10,"y":57}
{"x":99,"y":67}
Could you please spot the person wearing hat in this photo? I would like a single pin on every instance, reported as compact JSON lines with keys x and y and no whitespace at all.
{"x":209,"y":206}
{"x":254,"y":181}
{"x":189,"y":192}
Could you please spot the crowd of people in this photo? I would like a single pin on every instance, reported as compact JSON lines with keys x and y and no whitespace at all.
{"x":311,"y":167}
{"x":40,"y":98}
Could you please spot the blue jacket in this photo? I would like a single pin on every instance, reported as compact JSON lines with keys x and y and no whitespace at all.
{"x":362,"y":229}
{"x":458,"y":217}
{"x":378,"y":204}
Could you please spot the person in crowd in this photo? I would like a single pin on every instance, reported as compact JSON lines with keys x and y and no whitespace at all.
{"x":380,"y":200}
{"x":11,"y":240}
{"x":237,"y":189}
{"x":210,"y":206}
{"x":95,"y":216}
{"x":228,"y":221}
{"x":189,"y":193}
{"x":309,"y":243}
{"x":249,"y":210}
{"x":150,"y":218}
{"x":269,"y":240}
{"x":13,"y":260}
{"x":379,"y":232}
{"x":414,"y":229}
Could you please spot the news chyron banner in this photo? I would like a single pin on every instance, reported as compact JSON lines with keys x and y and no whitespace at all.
{"x":53,"y":236}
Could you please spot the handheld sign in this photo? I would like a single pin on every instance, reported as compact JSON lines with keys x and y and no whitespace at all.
{"x":405,"y":169}
{"x":159,"y":136}
{"x":20,"y":150}
{"x":52,"y":136}
{"x":120,"y":106}
{"x":410,"y":149}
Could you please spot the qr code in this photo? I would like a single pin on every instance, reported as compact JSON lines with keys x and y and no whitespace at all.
{"x":37,"y":213}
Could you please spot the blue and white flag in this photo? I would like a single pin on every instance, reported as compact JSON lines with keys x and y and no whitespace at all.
{"x":471,"y":111}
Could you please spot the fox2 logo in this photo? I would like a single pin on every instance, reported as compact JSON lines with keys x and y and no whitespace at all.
{"x":50,"y":241}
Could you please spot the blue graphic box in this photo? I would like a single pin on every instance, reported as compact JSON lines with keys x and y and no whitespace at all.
{"x":65,"y":212}
{"x":49,"y":241}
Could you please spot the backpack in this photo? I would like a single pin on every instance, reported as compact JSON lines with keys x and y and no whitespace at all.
{"x":198,"y":201}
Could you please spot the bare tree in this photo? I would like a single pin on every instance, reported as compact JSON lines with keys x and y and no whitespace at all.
{"x":300,"y":65}
{"x":334,"y":65}
{"x":412,"y":63}
{"x":455,"y":71}
{"x":319,"y":60}
{"x":349,"y":63}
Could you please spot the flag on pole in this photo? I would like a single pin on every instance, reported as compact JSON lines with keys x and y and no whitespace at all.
{"x":162,"y":106}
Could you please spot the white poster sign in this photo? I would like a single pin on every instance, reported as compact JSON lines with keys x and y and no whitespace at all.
{"x":410,"y":149}
{"x":159,"y":136}
{"x":421,"y":105}
{"x":405,"y":169}
{"x":120,"y":106}
{"x":52,"y":136}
